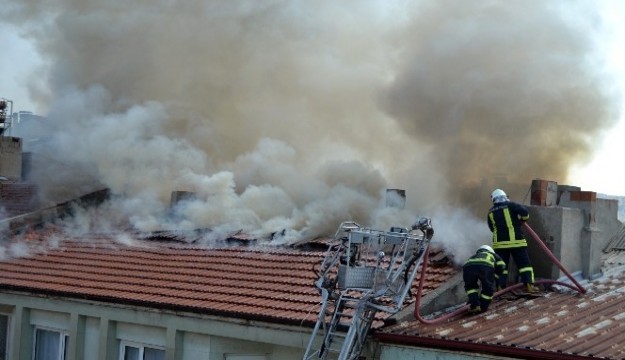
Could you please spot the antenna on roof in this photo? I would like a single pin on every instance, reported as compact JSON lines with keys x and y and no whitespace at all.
{"x":6,"y":109}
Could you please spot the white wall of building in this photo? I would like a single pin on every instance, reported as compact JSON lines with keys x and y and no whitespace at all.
{"x":96,"y":331}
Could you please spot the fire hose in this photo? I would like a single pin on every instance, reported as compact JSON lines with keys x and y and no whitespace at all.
{"x":464,"y":308}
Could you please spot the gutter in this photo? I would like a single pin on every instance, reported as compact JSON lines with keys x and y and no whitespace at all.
{"x":482,"y":348}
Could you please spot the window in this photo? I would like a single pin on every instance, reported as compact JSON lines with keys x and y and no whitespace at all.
{"x":50,"y":344}
{"x":4,"y":336}
{"x":130,"y":351}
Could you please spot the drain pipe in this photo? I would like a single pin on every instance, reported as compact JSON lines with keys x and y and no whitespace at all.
{"x":464,"y":308}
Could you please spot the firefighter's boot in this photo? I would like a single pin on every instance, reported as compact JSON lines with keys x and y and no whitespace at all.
{"x":532,"y":289}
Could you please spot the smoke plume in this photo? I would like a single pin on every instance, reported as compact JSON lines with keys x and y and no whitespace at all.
{"x":292,"y":116}
{"x":503,"y":92}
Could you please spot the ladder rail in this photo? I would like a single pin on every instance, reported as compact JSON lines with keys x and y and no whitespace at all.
{"x":330,"y":328}
{"x":357,"y":333}
{"x":401,"y":296}
{"x":329,"y":335}
{"x":380,"y":267}
{"x":310,"y":353}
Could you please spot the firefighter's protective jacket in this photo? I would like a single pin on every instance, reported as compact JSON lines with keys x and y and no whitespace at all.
{"x":484,"y":258}
{"x":504,"y":220}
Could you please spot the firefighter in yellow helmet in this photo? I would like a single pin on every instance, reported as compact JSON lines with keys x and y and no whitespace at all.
{"x":482,"y":274}
{"x":504,"y":220}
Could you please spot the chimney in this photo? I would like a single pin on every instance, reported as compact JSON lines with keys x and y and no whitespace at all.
{"x":566,"y":188}
{"x":544,"y":193}
{"x":27,"y":161}
{"x":177,"y":196}
{"x":590,"y":235}
{"x":11,"y":158}
{"x":575,"y":227}
{"x":396,"y":198}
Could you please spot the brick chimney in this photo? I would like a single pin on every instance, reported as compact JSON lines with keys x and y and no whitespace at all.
{"x":544,"y":193}
{"x":177,"y":196}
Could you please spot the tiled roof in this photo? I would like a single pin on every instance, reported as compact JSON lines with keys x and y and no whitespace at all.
{"x":559,"y":325}
{"x":269,"y":283}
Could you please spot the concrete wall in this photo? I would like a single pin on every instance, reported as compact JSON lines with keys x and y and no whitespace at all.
{"x":607,"y":219}
{"x":576,"y":231}
{"x":96,"y":331}
{"x":448,"y":295}
{"x":560,"y":230}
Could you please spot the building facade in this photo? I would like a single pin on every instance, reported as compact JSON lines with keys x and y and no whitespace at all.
{"x":51,"y":328}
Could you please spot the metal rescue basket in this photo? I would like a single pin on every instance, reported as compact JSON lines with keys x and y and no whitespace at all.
{"x":364,"y":271}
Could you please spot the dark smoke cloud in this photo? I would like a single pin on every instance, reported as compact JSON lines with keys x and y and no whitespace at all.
{"x":298,"y":115}
{"x":503,"y":91}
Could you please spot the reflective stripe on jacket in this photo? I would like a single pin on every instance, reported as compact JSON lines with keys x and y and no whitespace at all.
{"x":504,"y":220}
{"x":485,"y":258}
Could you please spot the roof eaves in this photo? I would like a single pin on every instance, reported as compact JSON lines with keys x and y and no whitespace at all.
{"x":162,"y":306}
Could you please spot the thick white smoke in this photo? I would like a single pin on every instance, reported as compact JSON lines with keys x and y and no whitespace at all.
{"x":288,"y":117}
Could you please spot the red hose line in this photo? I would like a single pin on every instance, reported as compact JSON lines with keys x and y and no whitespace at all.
{"x":550,"y":254}
{"x":420,"y":290}
{"x":464,"y":308}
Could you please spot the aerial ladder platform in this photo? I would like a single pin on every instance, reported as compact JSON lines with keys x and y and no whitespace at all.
{"x":364,"y":272}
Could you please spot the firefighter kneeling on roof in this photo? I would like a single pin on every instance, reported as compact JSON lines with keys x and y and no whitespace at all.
{"x":485,"y":268}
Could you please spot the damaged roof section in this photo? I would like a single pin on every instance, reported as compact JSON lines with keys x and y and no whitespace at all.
{"x":17,"y":198}
{"x":274,"y":284}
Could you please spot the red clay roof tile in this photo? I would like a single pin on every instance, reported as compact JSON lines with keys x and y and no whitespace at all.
{"x":559,"y":324}
{"x":254,"y":282}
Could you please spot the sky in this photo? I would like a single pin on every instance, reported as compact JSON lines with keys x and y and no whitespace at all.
{"x":19,"y":61}
{"x":294,"y":115}
{"x":600,"y":173}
